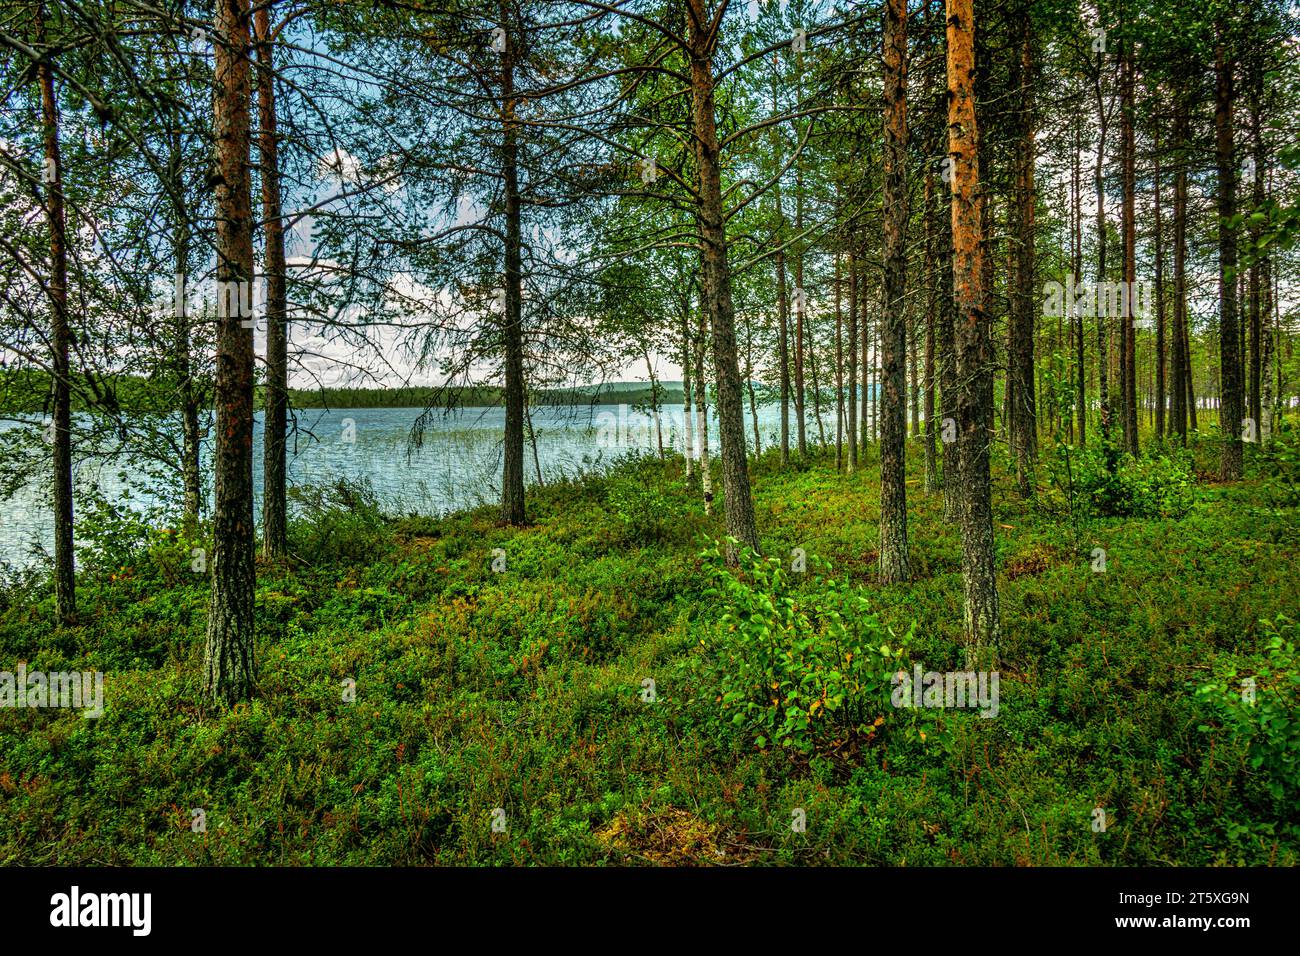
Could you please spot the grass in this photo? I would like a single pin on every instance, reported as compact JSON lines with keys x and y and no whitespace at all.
{"x":521,"y":690}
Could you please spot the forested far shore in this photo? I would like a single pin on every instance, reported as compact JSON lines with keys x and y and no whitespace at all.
{"x":27,"y":392}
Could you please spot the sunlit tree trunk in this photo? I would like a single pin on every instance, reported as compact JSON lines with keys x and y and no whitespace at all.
{"x":973,"y":400}
{"x":229,"y":670}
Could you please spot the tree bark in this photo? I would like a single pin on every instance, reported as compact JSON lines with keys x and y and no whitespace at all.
{"x":687,"y":356}
{"x":894,"y":566}
{"x":851,"y":420}
{"x":702,"y":415}
{"x":973,"y":341}
{"x":1023,"y":423}
{"x":1103,"y":351}
{"x":275,"y":533}
{"x":512,"y":472}
{"x":1161,"y":386}
{"x":1128,"y":338}
{"x":839,"y":368}
{"x":65,"y":581}
{"x":1076,"y":317}
{"x":1230,"y":401}
{"x":229,"y":669}
{"x":1181,"y":368}
{"x":716,"y":284}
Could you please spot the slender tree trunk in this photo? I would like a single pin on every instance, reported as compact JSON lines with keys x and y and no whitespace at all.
{"x":275,"y":540}
{"x":749,"y":386}
{"x":1181,"y":369}
{"x":816,"y":384}
{"x":716,"y":284}
{"x":1266,"y":377}
{"x":851,"y":421}
{"x":229,"y":667}
{"x":783,"y":348}
{"x":800,"y":310}
{"x":654,"y":400}
{"x":931,"y":449}
{"x":1023,"y":424}
{"x":512,"y":472}
{"x":948,"y":387}
{"x":187,"y":394}
{"x":839,"y":370}
{"x":973,"y":340}
{"x":894,"y":566}
{"x":1230,"y":403}
{"x":1128,"y":338}
{"x":687,"y":356}
{"x":1161,"y":387}
{"x":65,"y":593}
{"x":188,"y":398}
{"x":865,"y":324}
{"x":1076,"y":316}
{"x":702,"y":416}
{"x":1258,"y":270}
{"x":1103,"y":352}
{"x":532,"y":441}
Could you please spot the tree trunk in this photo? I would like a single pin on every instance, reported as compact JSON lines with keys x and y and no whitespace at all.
{"x":893,"y":334}
{"x":512,"y":472}
{"x":229,"y":668}
{"x":1230,"y":403}
{"x":702,"y":416}
{"x":749,"y":385}
{"x":851,"y":419}
{"x":1023,"y":423}
{"x":65,"y":581}
{"x":687,"y":356}
{"x":931,"y":449}
{"x":1076,"y":316}
{"x":1259,"y":269}
{"x":839,"y":369}
{"x":1103,"y":352}
{"x":973,"y":341}
{"x":716,"y":285}
{"x":783,"y":339}
{"x":1181,"y":369}
{"x":1128,"y":338}
{"x":275,"y":539}
{"x":1161,"y":389}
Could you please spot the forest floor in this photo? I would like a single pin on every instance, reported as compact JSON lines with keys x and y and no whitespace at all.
{"x":504,"y":716}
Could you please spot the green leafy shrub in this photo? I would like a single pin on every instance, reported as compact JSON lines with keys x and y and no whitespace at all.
{"x":116,"y":534}
{"x":1278,"y":463}
{"x":1258,"y":702}
{"x":645,"y":514}
{"x":800,"y":668}
{"x":339,"y":524}
{"x":1112,"y":484}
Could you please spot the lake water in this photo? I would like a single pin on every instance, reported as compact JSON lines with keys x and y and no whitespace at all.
{"x":458,"y":464}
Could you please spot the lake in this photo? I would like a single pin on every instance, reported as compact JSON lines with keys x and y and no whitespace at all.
{"x":458,"y":464}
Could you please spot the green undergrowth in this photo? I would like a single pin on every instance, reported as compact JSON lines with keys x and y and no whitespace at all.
{"x":605,"y":682}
